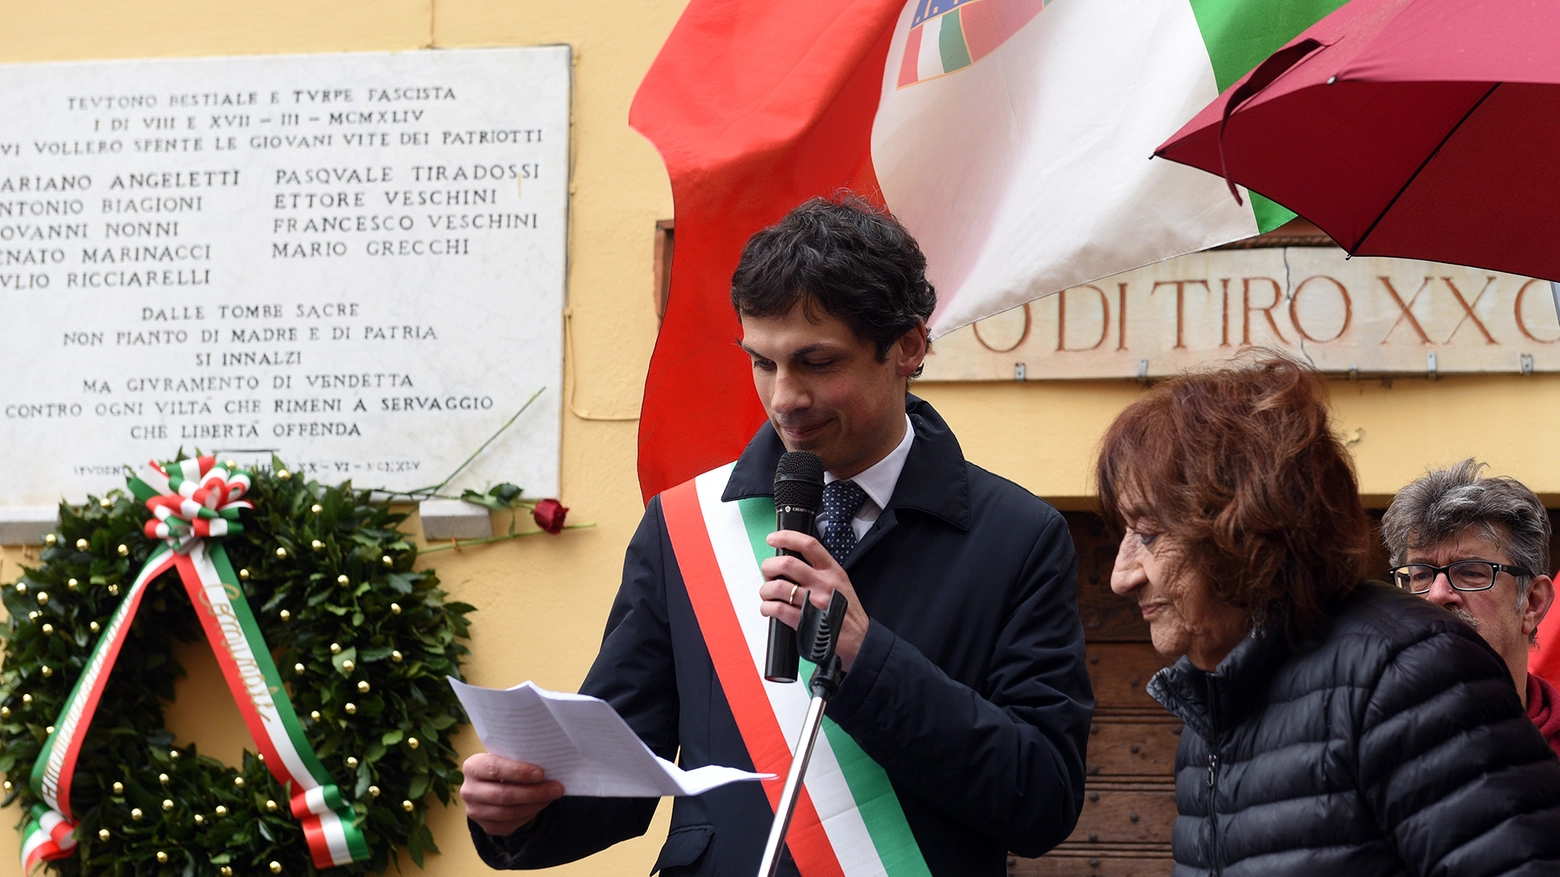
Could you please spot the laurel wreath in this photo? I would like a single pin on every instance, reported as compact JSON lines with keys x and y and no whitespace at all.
{"x":151,"y":807}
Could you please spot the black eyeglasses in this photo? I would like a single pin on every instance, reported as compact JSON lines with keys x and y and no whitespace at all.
{"x":1464,"y":575}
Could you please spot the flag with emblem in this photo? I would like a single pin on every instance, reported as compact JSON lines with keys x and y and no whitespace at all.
{"x":1012,"y":137}
{"x":951,"y":35}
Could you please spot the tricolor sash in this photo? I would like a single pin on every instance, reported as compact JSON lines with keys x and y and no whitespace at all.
{"x":848,"y":822}
{"x":195,"y":501}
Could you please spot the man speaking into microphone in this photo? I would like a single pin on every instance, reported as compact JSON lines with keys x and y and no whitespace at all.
{"x":958,"y":732}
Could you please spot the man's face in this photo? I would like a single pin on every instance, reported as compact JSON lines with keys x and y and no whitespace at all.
{"x":825,"y":390}
{"x":1494,"y":613}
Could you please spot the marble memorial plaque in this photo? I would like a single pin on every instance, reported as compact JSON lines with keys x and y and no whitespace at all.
{"x":354,"y":261}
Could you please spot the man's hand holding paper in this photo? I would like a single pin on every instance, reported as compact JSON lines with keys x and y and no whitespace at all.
{"x":542,"y":743}
{"x":502,"y":794}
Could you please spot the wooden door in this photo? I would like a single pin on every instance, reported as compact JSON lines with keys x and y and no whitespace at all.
{"x":1129,"y":793}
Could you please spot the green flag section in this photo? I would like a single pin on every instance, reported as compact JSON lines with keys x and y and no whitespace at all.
{"x":1239,"y":35}
{"x":1012,"y":137}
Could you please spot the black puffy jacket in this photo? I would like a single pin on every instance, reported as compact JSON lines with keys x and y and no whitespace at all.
{"x":1394,"y":744}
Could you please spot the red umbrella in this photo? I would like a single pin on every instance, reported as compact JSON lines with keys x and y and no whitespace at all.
{"x":1425,"y":129}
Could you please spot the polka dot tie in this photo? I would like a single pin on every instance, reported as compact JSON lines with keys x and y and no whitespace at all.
{"x":841,"y":501}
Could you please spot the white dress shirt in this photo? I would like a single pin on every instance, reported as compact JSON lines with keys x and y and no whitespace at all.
{"x":877,"y":482}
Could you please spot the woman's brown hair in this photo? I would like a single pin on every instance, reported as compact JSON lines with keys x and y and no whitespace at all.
{"x":1239,"y":466}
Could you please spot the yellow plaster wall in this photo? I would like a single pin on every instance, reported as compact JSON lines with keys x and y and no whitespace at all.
{"x":542,"y":601}
{"x":1043,"y":434}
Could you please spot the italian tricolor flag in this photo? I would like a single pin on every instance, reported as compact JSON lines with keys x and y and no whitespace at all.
{"x":1012,"y":137}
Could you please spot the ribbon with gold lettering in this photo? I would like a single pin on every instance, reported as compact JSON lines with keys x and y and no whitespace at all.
{"x":195,"y":501}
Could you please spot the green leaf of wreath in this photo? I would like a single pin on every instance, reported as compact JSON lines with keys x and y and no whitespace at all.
{"x":389,"y":619}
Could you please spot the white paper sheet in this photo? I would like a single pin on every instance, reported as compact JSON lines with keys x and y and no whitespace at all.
{"x":582,"y":742}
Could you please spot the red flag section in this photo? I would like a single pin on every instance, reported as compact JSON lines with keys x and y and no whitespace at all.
{"x":755,"y":107}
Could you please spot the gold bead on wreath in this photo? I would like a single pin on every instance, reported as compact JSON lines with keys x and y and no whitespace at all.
{"x":124,"y":550}
{"x":47,"y":671}
{"x":7,"y":786}
{"x":299,"y":669}
{"x":412,"y":742}
{"x":244,"y":574}
{"x":173,"y":754}
{"x":21,"y":587}
{"x":316,"y":545}
{"x":27,"y":698}
{"x":270,"y":806}
{"x":94,"y":627}
{"x":350,"y":709}
{"x":286,"y":615}
{"x":72,"y":584}
{"x":238,"y":781}
{"x":408,"y":806}
{"x":343,"y":581}
{"x":49,"y":729}
{"x":276,"y":867}
{"x":106,"y":503}
{"x":316,"y":508}
{"x":373,"y":791}
{"x":82,"y":545}
{"x":43,"y":598}
{"x":163,"y":778}
{"x":162,"y":857}
{"x":283,"y":475}
{"x":119,"y":788}
{"x":227,"y":871}
{"x":5,"y":712}
{"x":395,"y":655}
{"x":167,"y":804}
{"x":113,"y":590}
{"x":103,"y":834}
{"x":352,"y":762}
{"x":314,"y":715}
{"x":395,"y":608}
{"x":335,"y":648}
{"x":387,"y":560}
{"x":221,"y":810}
{"x":50,"y":539}
{"x":135,"y":813}
{"x":281,"y":553}
{"x":349,"y":665}
{"x":200,"y":819}
{"x":48,"y":630}
{"x":363,"y":687}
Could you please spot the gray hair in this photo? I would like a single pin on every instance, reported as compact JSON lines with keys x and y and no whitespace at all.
{"x":1447,"y":502}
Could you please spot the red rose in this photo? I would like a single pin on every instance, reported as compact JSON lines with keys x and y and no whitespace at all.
{"x":549,"y":515}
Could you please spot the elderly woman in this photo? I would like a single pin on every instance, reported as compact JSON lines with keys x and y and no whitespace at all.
{"x":1334,"y":727}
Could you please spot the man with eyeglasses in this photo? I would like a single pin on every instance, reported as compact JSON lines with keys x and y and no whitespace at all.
{"x":1479,"y":547}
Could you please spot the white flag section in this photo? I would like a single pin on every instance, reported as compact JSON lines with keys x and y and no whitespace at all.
{"x":1027,"y":170}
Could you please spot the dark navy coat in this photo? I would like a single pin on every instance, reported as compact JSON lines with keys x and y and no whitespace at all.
{"x":970,"y":688}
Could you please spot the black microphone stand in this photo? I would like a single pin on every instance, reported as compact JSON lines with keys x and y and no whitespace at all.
{"x":816,"y":639}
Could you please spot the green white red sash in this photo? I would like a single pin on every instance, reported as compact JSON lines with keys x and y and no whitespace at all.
{"x":848,"y":822}
{"x":196,"y":500}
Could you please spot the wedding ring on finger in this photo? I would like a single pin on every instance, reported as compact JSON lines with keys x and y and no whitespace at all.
{"x":790,"y":599}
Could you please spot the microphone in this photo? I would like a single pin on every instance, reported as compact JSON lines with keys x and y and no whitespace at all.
{"x":798,"y":497}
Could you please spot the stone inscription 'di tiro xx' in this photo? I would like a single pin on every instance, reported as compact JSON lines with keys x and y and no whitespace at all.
{"x":355,"y":261}
{"x":1361,"y":316}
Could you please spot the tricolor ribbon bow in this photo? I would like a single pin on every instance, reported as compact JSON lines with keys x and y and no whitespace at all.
{"x":196,"y":500}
